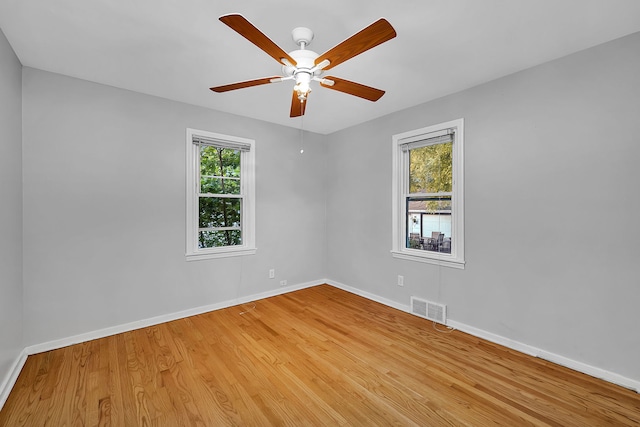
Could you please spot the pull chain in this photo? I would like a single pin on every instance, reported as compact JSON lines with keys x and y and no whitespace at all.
{"x":302,"y":134}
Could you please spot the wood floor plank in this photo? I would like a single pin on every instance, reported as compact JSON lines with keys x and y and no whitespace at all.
{"x":318,"y":356}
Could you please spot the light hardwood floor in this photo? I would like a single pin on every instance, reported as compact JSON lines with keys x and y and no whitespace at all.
{"x":319,"y":356}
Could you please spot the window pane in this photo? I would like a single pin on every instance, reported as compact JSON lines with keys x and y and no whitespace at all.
{"x":219,"y":185}
{"x":429,"y":223}
{"x":216,"y":212}
{"x":430,"y":169}
{"x":219,"y":170}
{"x":213,"y":239}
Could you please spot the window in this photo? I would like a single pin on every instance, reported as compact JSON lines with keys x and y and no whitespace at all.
{"x":220,"y":195}
{"x":428,"y":214}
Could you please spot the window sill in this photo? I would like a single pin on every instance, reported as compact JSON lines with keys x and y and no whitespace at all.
{"x":443,"y":260}
{"x":222,"y":254}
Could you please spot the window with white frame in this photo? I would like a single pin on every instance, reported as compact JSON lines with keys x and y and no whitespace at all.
{"x":220,"y":195}
{"x":428,"y":205}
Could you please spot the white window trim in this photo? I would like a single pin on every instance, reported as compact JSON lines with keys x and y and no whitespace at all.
{"x":247,"y":164}
{"x":400,"y":187}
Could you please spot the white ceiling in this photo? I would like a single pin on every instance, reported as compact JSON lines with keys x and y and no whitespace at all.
{"x":177,"y":49}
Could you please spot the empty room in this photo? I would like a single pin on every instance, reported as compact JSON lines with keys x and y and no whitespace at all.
{"x":345,"y":213}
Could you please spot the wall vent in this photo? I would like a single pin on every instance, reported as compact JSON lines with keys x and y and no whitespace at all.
{"x":429,"y":310}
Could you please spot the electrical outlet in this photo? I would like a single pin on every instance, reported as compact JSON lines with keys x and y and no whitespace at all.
{"x":400,"y":280}
{"x":272,"y":273}
{"x":283,"y":283}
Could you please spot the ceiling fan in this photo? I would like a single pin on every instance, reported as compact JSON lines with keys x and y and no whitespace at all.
{"x":304,"y":66}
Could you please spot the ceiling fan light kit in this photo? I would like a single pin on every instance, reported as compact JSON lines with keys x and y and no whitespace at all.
{"x":304,"y":66}
{"x":305,"y":70}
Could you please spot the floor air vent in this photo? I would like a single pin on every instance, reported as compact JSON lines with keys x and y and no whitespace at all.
{"x":429,"y":310}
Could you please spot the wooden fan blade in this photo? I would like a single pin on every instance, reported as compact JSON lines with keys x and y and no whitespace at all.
{"x":373,"y":35}
{"x":247,"y":30}
{"x":297,"y":107}
{"x":241,"y":85}
{"x":352,"y":88}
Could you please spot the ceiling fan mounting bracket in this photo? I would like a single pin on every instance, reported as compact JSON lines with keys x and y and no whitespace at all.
{"x":302,"y":36}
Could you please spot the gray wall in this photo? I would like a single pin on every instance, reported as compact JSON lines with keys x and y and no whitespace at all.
{"x":552,"y":208}
{"x":10,"y":208}
{"x":104,"y":208}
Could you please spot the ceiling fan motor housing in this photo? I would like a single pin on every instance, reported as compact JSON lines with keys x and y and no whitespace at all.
{"x":303,"y":72}
{"x":305,"y":60}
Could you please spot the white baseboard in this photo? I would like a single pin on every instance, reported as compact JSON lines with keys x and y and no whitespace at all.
{"x":9,"y":381}
{"x":7,"y":385}
{"x":368,"y":295}
{"x":497,"y":339}
{"x":593,"y":371}
{"x":113,"y":330}
{"x":12,"y":377}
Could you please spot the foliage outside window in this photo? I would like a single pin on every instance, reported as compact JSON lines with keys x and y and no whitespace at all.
{"x":220,"y":188}
{"x":428,"y":179}
{"x":220,"y":202}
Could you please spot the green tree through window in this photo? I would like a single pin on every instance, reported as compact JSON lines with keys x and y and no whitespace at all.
{"x":220,"y":204}
{"x":430,"y":169}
